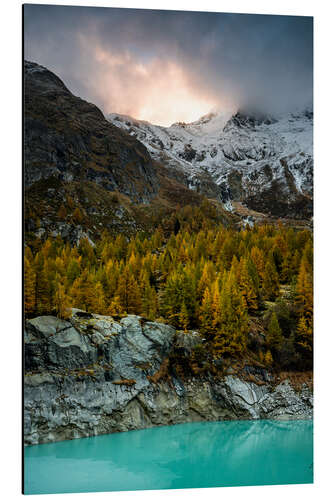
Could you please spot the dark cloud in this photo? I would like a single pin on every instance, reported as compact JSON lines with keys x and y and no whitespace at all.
{"x":116,"y":56}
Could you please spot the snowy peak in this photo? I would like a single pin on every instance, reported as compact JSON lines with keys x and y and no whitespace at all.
{"x":210,"y":124}
{"x":262,"y":161}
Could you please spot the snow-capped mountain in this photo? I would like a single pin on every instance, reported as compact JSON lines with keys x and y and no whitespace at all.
{"x":262,"y":161}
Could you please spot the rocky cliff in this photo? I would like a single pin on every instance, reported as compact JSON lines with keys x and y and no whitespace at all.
{"x":92,"y":374}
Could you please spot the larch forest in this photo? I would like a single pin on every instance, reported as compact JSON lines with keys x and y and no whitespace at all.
{"x":248,"y":292}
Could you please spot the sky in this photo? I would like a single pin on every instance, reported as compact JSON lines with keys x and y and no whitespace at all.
{"x":169,"y":66}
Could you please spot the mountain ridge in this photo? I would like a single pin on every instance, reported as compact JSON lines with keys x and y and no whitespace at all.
{"x":82,"y":174}
{"x":261,"y":160}
{"x":64,"y":134}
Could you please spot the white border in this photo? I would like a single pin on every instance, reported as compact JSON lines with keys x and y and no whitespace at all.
{"x":10,"y":199}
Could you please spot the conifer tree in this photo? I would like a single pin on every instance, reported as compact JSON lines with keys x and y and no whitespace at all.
{"x":86,"y":250}
{"x":184,"y":317}
{"x":295,"y":261}
{"x":286,"y":268}
{"x":61,"y":302}
{"x":274,"y":335}
{"x":87,"y":294}
{"x":70,"y":202}
{"x":257,"y":257}
{"x":111,"y":277}
{"x":29,"y":287}
{"x":134,"y":264}
{"x":46,"y":250}
{"x":227,"y":252}
{"x":304,"y":305}
{"x":268,"y":358}
{"x":73,"y":270}
{"x":149,"y":296}
{"x":206,"y":279}
{"x":270,"y":284}
{"x":153,"y":311}
{"x":77,"y":216}
{"x":179,"y":288}
{"x":97,"y":303}
{"x":304,"y":291}
{"x":231,"y":338}
{"x":129,"y":292}
{"x":305,"y":334}
{"x":247,"y":286}
{"x":44,"y":282}
{"x":62,"y":212}
{"x":115,"y":308}
{"x":235,"y":268}
{"x":216,"y":305}
{"x":205,"y":314}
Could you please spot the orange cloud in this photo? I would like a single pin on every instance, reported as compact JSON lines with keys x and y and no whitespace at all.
{"x":158,"y":91}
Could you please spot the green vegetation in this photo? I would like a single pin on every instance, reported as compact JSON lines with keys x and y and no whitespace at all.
{"x":217,"y":280}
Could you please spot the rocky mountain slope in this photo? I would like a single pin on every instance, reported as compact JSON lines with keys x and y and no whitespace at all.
{"x":264,"y":162}
{"x":69,"y":139}
{"x":82,"y":174}
{"x":92,"y":374}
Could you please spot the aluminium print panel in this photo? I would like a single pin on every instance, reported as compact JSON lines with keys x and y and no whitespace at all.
{"x":168,"y":249}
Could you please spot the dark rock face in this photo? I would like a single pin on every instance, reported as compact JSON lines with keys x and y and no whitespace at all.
{"x":274,"y":201}
{"x":55,"y":343}
{"x":93,"y":375}
{"x":189,"y":153}
{"x":249,"y":119}
{"x":69,"y":139}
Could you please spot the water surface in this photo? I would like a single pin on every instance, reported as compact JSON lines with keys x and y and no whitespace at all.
{"x":197,"y":455}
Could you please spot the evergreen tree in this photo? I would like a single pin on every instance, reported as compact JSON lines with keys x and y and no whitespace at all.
{"x":206,"y":279}
{"x":62,"y":212}
{"x":62,"y":302}
{"x":97,"y":303}
{"x":44,"y":281}
{"x":270,"y":286}
{"x":115,"y":308}
{"x":78,"y":216}
{"x":305,"y":334}
{"x":129,"y":292}
{"x":184,"y":317}
{"x":286,"y":268}
{"x":87,"y":294}
{"x":304,"y":291}
{"x":268,"y":358}
{"x":274,"y":337}
{"x":205,"y":314}
{"x":149,"y":297}
{"x":304,"y":305}
{"x":247,"y":287}
{"x":216,"y":305}
{"x":231,"y":338}
{"x":29,"y":288}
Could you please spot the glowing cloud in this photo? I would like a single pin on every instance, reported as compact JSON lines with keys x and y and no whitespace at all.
{"x":158,"y":91}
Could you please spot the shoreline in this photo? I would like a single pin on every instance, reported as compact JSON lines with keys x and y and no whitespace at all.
{"x":116,"y":377}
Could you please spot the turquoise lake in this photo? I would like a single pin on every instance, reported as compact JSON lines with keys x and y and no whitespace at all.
{"x":196,"y":455}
